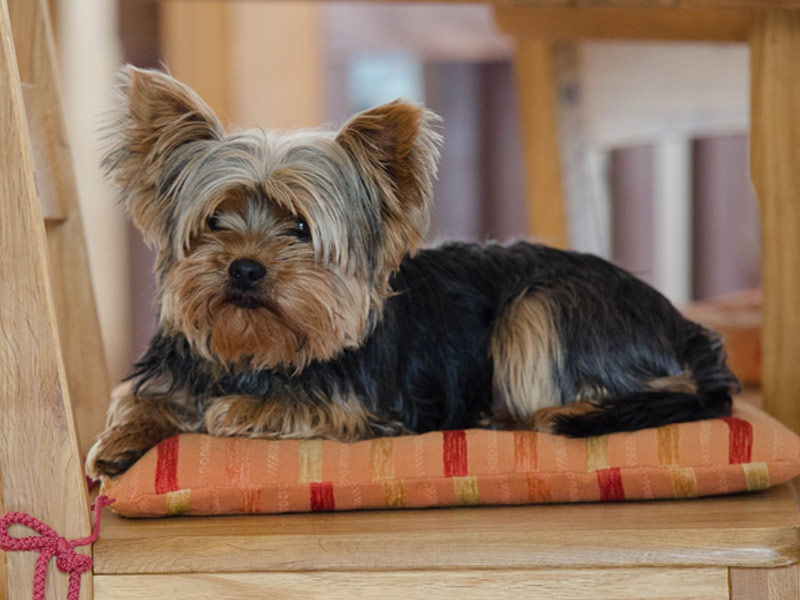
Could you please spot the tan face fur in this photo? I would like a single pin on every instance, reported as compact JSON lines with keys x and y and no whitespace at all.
{"x":329,"y":215}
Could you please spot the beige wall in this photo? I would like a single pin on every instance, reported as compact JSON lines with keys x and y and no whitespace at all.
{"x":89,"y":54}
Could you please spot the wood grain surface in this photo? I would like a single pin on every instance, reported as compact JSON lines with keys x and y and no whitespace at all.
{"x":70,"y":280}
{"x":39,"y":464}
{"x":623,"y":21}
{"x":765,"y":584}
{"x":195,"y":40}
{"x":775,"y":169}
{"x":746,"y":530}
{"x":541,"y":584}
{"x":537,"y":91}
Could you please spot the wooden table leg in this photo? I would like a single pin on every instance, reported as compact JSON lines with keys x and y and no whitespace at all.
{"x":536,"y":90}
{"x":775,"y":167}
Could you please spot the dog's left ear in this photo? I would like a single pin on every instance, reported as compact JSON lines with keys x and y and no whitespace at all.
{"x":396,"y":150}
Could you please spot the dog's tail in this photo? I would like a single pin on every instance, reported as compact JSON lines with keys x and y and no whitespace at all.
{"x":713,"y":384}
{"x":640,"y":411}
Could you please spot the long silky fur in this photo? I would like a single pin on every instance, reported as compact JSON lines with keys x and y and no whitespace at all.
{"x":427,"y":364}
{"x":353,"y":331}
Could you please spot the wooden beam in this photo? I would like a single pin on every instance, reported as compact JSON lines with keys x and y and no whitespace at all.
{"x":536,"y":90}
{"x":542,"y":584}
{"x":73,"y":295}
{"x":623,"y":22}
{"x":195,"y":41}
{"x":39,"y":461}
{"x":282,"y":84}
{"x":775,"y":169}
{"x":745,"y":530}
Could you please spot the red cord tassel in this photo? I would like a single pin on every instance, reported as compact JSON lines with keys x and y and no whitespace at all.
{"x":48,"y":544}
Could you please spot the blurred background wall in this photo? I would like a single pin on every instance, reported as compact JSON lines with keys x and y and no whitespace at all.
{"x":90,"y":51}
{"x":652,"y":137}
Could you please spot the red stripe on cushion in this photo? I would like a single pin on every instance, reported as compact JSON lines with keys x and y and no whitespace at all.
{"x":538,"y":489}
{"x":167,"y":465}
{"x":610,"y":482}
{"x":321,"y":496}
{"x":740,"y":440}
{"x":455,"y":453}
{"x":525,"y":458}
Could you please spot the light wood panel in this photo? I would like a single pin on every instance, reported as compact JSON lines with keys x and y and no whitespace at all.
{"x":281,"y":85}
{"x":42,"y":126}
{"x":195,"y":41}
{"x":748,"y":530}
{"x":542,"y":584}
{"x":49,"y":199}
{"x":39,"y":464}
{"x":622,"y":21}
{"x":536,"y":89}
{"x":775,"y":169}
{"x":76,"y":311}
{"x":765,"y":584}
{"x":209,"y":46}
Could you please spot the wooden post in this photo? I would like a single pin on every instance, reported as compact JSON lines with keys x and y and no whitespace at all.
{"x":40,"y":466}
{"x":775,"y":168}
{"x":278,"y":86}
{"x":536,"y":90}
{"x":195,"y":40}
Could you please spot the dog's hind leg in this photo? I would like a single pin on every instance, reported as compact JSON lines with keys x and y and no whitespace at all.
{"x":526,"y":352}
{"x":528,"y":356}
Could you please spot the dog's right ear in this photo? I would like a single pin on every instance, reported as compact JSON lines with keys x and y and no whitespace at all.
{"x":157,"y":120}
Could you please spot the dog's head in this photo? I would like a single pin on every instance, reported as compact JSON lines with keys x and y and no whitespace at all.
{"x":274,"y":250}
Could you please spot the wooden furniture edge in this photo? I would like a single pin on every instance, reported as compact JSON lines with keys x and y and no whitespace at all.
{"x":774,"y":139}
{"x":543,"y":584}
{"x":752,"y":530}
{"x":40,"y":467}
{"x":70,"y":279}
{"x":556,"y":22}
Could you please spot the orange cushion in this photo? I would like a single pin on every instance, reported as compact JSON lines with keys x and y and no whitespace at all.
{"x":203,"y":475}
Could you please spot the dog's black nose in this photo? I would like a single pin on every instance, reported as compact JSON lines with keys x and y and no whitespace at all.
{"x":245,"y":273}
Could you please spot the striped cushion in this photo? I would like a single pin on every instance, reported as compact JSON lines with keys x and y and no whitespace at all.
{"x":202,"y":475}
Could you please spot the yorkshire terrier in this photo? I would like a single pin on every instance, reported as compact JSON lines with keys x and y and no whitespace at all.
{"x":295,"y":301}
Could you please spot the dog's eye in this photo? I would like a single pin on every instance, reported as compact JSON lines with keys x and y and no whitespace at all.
{"x":213,"y":223}
{"x":301,"y":229}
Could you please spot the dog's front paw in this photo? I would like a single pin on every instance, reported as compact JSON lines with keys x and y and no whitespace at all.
{"x":118,"y":448}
